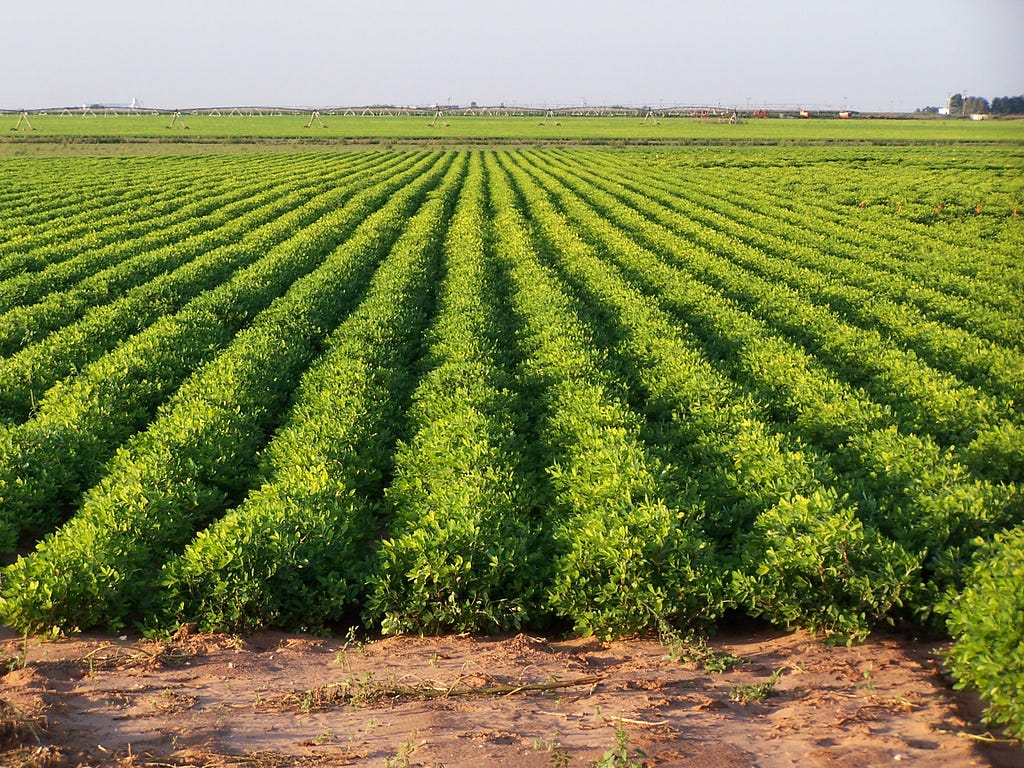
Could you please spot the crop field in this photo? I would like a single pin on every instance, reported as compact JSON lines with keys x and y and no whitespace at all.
{"x":116,"y":128}
{"x":491,"y":389}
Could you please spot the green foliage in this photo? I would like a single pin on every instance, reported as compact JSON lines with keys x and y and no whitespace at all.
{"x":620,"y":756}
{"x":996,"y":453}
{"x":627,"y":390}
{"x":691,"y":648}
{"x":294,"y":553}
{"x":90,"y":318}
{"x":987,"y":622}
{"x":916,"y":493}
{"x":47,"y":462}
{"x":198,"y":456}
{"x":401,"y":758}
{"x":745,"y":693}
{"x":623,"y":557}
{"x":462,"y":554}
{"x":809,"y":563}
{"x":614,"y":130}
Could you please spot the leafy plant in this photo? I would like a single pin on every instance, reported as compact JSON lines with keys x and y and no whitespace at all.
{"x":809,"y":562}
{"x":692,"y":648}
{"x":620,"y":756}
{"x":987,"y":621}
{"x":461,"y":555}
{"x":745,"y":693}
{"x":558,"y":758}
{"x":10,"y":663}
{"x":401,"y":758}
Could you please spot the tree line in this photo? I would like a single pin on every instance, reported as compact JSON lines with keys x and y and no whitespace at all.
{"x":960,"y":104}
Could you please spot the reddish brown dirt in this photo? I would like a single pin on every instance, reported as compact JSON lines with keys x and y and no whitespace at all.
{"x":272,"y":700}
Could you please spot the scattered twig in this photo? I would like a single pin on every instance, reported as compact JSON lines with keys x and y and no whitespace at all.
{"x":988,"y":738}
{"x":493,"y":690}
{"x":123,"y":652}
{"x":355,"y":691}
{"x":857,"y":714}
{"x":636,"y":722}
{"x":110,"y":655}
{"x":892,"y":705}
{"x":15,"y":726}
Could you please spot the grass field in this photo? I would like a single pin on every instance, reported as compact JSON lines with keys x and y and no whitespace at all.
{"x":595,"y":129}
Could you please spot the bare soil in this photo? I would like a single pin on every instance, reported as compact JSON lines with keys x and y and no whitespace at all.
{"x":271,"y":700}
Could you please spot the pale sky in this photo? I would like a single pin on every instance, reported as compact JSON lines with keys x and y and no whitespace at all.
{"x":864,"y":54}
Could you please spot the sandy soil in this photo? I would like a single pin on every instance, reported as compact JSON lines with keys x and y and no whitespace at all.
{"x":285,"y":700}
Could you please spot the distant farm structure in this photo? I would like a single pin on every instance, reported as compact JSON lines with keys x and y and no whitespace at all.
{"x":648,"y":113}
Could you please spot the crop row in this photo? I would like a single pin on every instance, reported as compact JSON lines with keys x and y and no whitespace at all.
{"x":48,"y":461}
{"x":924,"y":399}
{"x":807,"y":255}
{"x":122,"y":210}
{"x":143,"y":259}
{"x":199,"y":455}
{"x":925,"y":499}
{"x":207,"y":261}
{"x":760,"y":493}
{"x":78,"y":257}
{"x":295,"y":551}
{"x":816,"y":237}
{"x":482,"y":391}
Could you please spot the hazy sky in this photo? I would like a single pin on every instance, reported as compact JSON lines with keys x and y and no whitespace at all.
{"x":867,"y":54}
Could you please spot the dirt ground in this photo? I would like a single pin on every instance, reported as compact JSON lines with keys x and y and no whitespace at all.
{"x":274,"y":700}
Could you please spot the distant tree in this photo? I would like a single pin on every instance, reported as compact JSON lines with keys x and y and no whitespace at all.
{"x":956,"y":104}
{"x":928,"y":110}
{"x":1008,"y":105}
{"x":975,"y":105}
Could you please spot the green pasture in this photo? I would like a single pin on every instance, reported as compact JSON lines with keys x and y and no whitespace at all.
{"x":111,"y":127}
